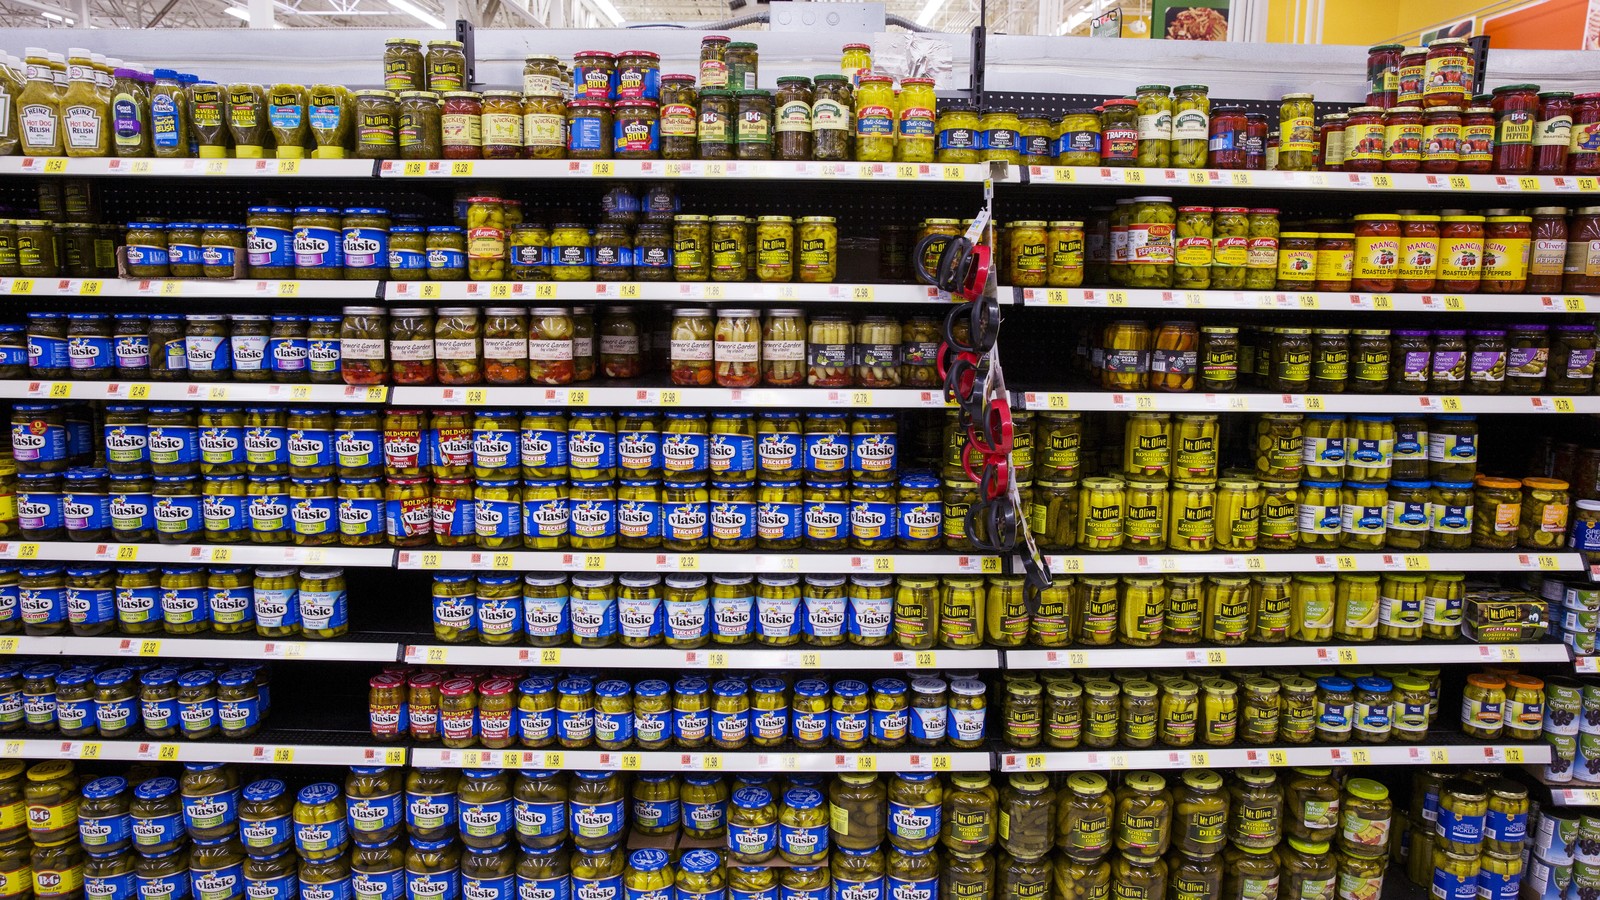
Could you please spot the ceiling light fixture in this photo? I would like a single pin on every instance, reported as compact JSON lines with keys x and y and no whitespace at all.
{"x":418,"y":13}
{"x":237,"y":13}
{"x":929,"y":11}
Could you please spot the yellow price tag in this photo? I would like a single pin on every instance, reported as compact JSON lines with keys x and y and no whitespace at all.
{"x":629,"y":291}
{"x":670,"y":398}
{"x":925,"y":659}
{"x":1575,"y":304}
{"x":1119,"y":760}
{"x":717,"y":660}
{"x":1277,"y":758}
{"x":500,"y":290}
{"x":1455,"y":303}
{"x":1589,"y":184}
{"x":27,"y":551}
{"x":431,"y":291}
{"x":1240,"y":179}
{"x":461,"y":169}
{"x":1072,"y":563}
{"x":141,"y":167}
{"x":1360,"y":756}
{"x":863,"y":293}
{"x":715,"y":170}
{"x":1132,"y":176}
{"x":941,"y":762}
{"x":713,"y":291}
{"x":22,"y":286}
{"x":216,"y":167}
{"x":554,"y":760}
{"x":414,"y":168}
{"x":1199,"y":759}
{"x":217,"y":392}
{"x":544,"y":291}
{"x":1382,"y":302}
{"x":55,"y":166}
{"x":149,"y":648}
{"x":60,"y":390}
{"x":430,"y":561}
{"x":1345,"y":562}
{"x":1513,"y":754}
{"x":502,"y":560}
{"x":689,"y":562}
{"x":288,"y":167}
{"x":13,"y":748}
{"x":283,"y":754}
{"x":377,"y":393}
{"x":1528,"y":183}
{"x":1382,"y":181}
{"x":1197,"y":178}
{"x":1063,"y":175}
{"x":1510,"y":653}
{"x":866,"y":762}
{"x":1564,"y":405}
{"x":1255,"y":562}
{"x":1216,"y":657}
{"x":477,"y":396}
{"x":1313,"y":402}
{"x":1144,"y":401}
{"x":139,"y":392}
{"x":167,"y":752}
{"x":288,"y":289}
{"x":1418,"y":563}
{"x":89,"y":288}
{"x":990,"y":565}
{"x":1549,"y":563}
{"x":8,"y":645}
{"x":711,"y":760}
{"x":1309,"y":301}
{"x":632,"y":761}
{"x":905,"y":171}
{"x":550,"y":656}
{"x":951,"y":173}
{"x":90,"y":750}
{"x":604,"y":169}
{"x":577,"y":397}
{"x":1116,"y":298}
{"x":594,"y":562}
{"x":299,"y":391}
{"x":1077,"y":659}
{"x":437,"y":655}
{"x":883,"y":564}
{"x":811,"y":660}
{"x":1347,"y":656}
{"x":1056,"y":401}
{"x":1034,"y":762}
{"x":1450,"y":404}
{"x":1438,"y":755}
{"x":1460,"y":183}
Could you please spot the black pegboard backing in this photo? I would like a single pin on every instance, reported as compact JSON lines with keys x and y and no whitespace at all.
{"x":1057,"y":104}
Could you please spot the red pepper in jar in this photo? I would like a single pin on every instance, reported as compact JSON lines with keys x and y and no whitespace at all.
{"x":1460,"y":253}
{"x":1331,"y":143}
{"x":461,"y":125}
{"x":1477,"y":141}
{"x":1377,"y":252}
{"x":1516,"y":106}
{"x":1413,"y":67}
{"x":423,"y":702}
{"x":1506,"y":241}
{"x":1255,"y":141}
{"x":1419,"y":253}
{"x":1552,"y":133}
{"x":1402,"y":129}
{"x":1583,"y":157}
{"x":1383,"y":75}
{"x":1364,"y":141}
{"x":1441,"y":139}
{"x":1229,"y":127}
{"x":1447,"y":78}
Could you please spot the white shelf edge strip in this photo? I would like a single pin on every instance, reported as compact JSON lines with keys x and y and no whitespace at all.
{"x":838,"y":659}
{"x":664,"y":291}
{"x":925,"y":760}
{"x":1109,"y":401}
{"x":193,"y":751}
{"x":1136,"y":298}
{"x":247,"y":288}
{"x":199,"y":168}
{"x":1422,"y":652}
{"x":197,"y":554}
{"x":1329,"y":562}
{"x":1352,"y":754}
{"x":645,"y":561}
{"x":1234,"y":179}
{"x":159,"y":645}
{"x":757,"y":170}
{"x":781,"y":398}
{"x":191,"y":391}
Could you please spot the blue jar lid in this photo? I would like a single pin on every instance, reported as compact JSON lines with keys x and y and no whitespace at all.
{"x":802,"y":798}
{"x":729,"y":687}
{"x":315,"y":210}
{"x":74,"y":677}
{"x":286,"y":317}
{"x":197,"y":678}
{"x":158,"y":677}
{"x":1455,"y":418}
{"x":767,"y":686}
{"x":84,"y":473}
{"x":498,"y":414}
{"x":612,"y":687}
{"x":575,"y":684}
{"x":687,"y":415}
{"x":308,"y":411}
{"x":174,"y":479}
{"x":482,"y":773}
{"x":1410,"y":485}
{"x":825,"y":415}
{"x":591,"y":775}
{"x":537,"y":684}
{"x":176,"y":570}
{"x":36,"y":407}
{"x":104,"y":788}
{"x":295,"y":480}
{"x":451,"y":577}
{"x":149,"y":226}
{"x":260,"y":210}
{"x":648,"y":860}
{"x":752,"y":798}
{"x":38,"y":476}
{"x":41,"y":670}
{"x":407,"y":229}
{"x":654,"y":687}
{"x":236,"y":678}
{"x":87,"y":571}
{"x":167,"y":317}
{"x":156,"y":788}
{"x":113,"y":677}
{"x":1328,"y":485}
{"x":1375,"y":683}
{"x":814,"y":687}
{"x":699,"y":862}
{"x":430,"y":846}
{"x":124,"y":408}
{"x":1369,"y":417}
{"x":919,"y":480}
{"x":701,"y":778}
{"x":849,"y":687}
{"x":732,"y":415}
{"x":369,"y":770}
{"x":1334,"y":683}
{"x":327,"y":318}
{"x":86,"y":317}
{"x":46,"y":315}
{"x":691,"y":684}
{"x":365,"y":211}
{"x":264,"y":790}
{"x":499,"y":578}
{"x":318,"y":794}
{"x":124,"y":478}
{"x":1453,"y":485}
{"x":891,"y":686}
{"x":781,"y":414}
{"x":355,"y":411}
{"x":539,"y":774}
{"x":177,"y":226}
{"x":445,"y":229}
{"x":10,"y":671}
{"x":11,"y":328}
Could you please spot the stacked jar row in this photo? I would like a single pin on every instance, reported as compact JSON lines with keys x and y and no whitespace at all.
{"x":1138,"y":710}
{"x":1178,"y":356}
{"x":736,"y":348}
{"x":686,"y":612}
{"x":286,"y":348}
{"x":1477,"y":834}
{"x":40,"y":248}
{"x":93,"y":599}
{"x":734,"y":713}
{"x":87,"y":701}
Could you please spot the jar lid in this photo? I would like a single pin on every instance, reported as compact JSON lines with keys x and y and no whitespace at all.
{"x":1545,"y":484}
{"x":814,"y":687}
{"x":197,"y":678}
{"x":318,"y":794}
{"x":692,"y":684}
{"x":751,"y":798}
{"x":536,"y":684}
{"x":151,"y":789}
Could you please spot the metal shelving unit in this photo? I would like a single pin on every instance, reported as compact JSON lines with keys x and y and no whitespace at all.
{"x":1437,"y":750}
{"x":188,"y":168}
{"x":286,"y":747}
{"x":1239,"y":180}
{"x":1330,"y":562}
{"x":730,"y":170}
{"x":1289,"y":654}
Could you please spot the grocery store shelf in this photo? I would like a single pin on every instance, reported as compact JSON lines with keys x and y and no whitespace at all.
{"x":1135,"y":298}
{"x":662,"y":291}
{"x":1288,"y":654}
{"x":841,"y":659}
{"x":1573,"y":793}
{"x":1206,"y":563}
{"x":697,"y":761}
{"x":191,"y":391}
{"x":283,"y":747}
{"x":182,"y":168}
{"x":197,"y":554}
{"x":746,"y":170}
{"x":1439,"y":749}
{"x":646,"y":561}
{"x":718,"y":398}
{"x":221,"y":288}
{"x":348,"y":649}
{"x":1108,"y":401}
{"x":1587,"y":665}
{"x":1232,"y":179}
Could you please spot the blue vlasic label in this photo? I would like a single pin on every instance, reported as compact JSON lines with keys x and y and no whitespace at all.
{"x":770,"y":893}
{"x":74,"y":717}
{"x":733,"y":520}
{"x":638,"y":83}
{"x":269,"y":512}
{"x":497,"y":447}
{"x":597,"y":888}
{"x":217,"y":256}
{"x":826,"y":520}
{"x":14,"y":356}
{"x":211,"y":811}
{"x":636,"y":135}
{"x":314,"y":515}
{"x":323,"y":355}
{"x":430,"y":813}
{"x":422,"y":886}
{"x":639,"y":519}
{"x":827,"y":454}
{"x":457,"y":518}
{"x":869,"y":617}
{"x":179,"y":514}
{"x":328,"y":890}
{"x":732,"y":617}
{"x":686,"y":521}
{"x":385,"y":885}
{"x":42,"y":606}
{"x":36,"y":441}
{"x":851,"y":889}
{"x":486,"y":820}
{"x":111,"y":887}
{"x":545,"y":618}
{"x":556,"y":888}
{"x":224,"y":883}
{"x":116,"y":714}
{"x":777,"y":617}
{"x":286,"y":887}
{"x":264,"y":834}
{"x":501,"y":888}
{"x":593,"y":618}
{"x":539,"y":820}
{"x":499,"y":618}
{"x":873,"y":455}
{"x":46,"y":352}
{"x":575,"y":728}
{"x":164,"y":887}
{"x":585,"y":132}
{"x":593,"y":517}
{"x":366,"y":248}
{"x":288,"y":354}
{"x":824,"y":617}
{"x":358,"y":448}
{"x":131,"y":511}
{"x":731,"y":727}
{"x":225,"y":512}
{"x":269,"y":246}
{"x":446,"y":259}
{"x":543,"y":447}
{"x":686,"y":620}
{"x":133,"y":351}
{"x":266,"y":445}
{"x":613,"y":728}
{"x":1078,"y":142}
{"x":732,"y":456}
{"x":39,"y":510}
{"x":324,"y":609}
{"x":638,"y":452}
{"x":277,"y":608}
{"x":361,"y":516}
{"x":871,"y":520}
{"x":196,"y":717}
{"x":545,"y":516}
{"x":208,"y":353}
{"x":656,"y":814}
{"x":597,"y":822}
{"x":87,"y":353}
{"x":157,"y":714}
{"x":90,"y":605}
{"x":238,"y":716}
{"x":145,"y":255}
{"x":785,"y":892}
{"x":321,"y":838}
{"x":848,"y":729}
{"x":127,"y":443}
{"x":85,"y":511}
{"x":590,"y":451}
{"x":903,"y":889}
{"x":309,"y":448}
{"x":803,"y":841}
{"x":316,"y":247}
{"x":497,"y":518}
{"x":10,"y":596}
{"x":454,"y":612}
{"x":914,"y":823}
{"x":690,"y":725}
{"x":535,"y":726}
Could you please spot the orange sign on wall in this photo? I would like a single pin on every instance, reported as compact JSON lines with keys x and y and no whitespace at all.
{"x":1552,"y":25}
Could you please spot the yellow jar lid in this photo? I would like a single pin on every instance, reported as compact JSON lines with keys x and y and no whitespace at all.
{"x":11,"y":769}
{"x":1146,"y":782}
{"x":1203,"y":780}
{"x":1086,"y":783}
{"x":1030,"y":783}
{"x":1366,"y":789}
{"x":50,"y":771}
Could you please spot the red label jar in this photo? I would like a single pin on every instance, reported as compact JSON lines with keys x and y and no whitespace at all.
{"x":1402,"y":130}
{"x":1515,"y":108}
{"x":1413,"y":66}
{"x":1227,"y":138}
{"x":1364,"y":141}
{"x":1441,"y":139}
{"x":1583,"y":156}
{"x":1446,"y":78}
{"x":1552,"y":133}
{"x":1383,"y":74}
{"x":1419,"y":253}
{"x":1331,"y":143}
{"x":1477,"y":141}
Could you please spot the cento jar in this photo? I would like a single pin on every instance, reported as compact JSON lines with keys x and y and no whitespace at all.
{"x":1364,"y":142}
{"x":1402,"y":130}
{"x":1441,"y":139}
